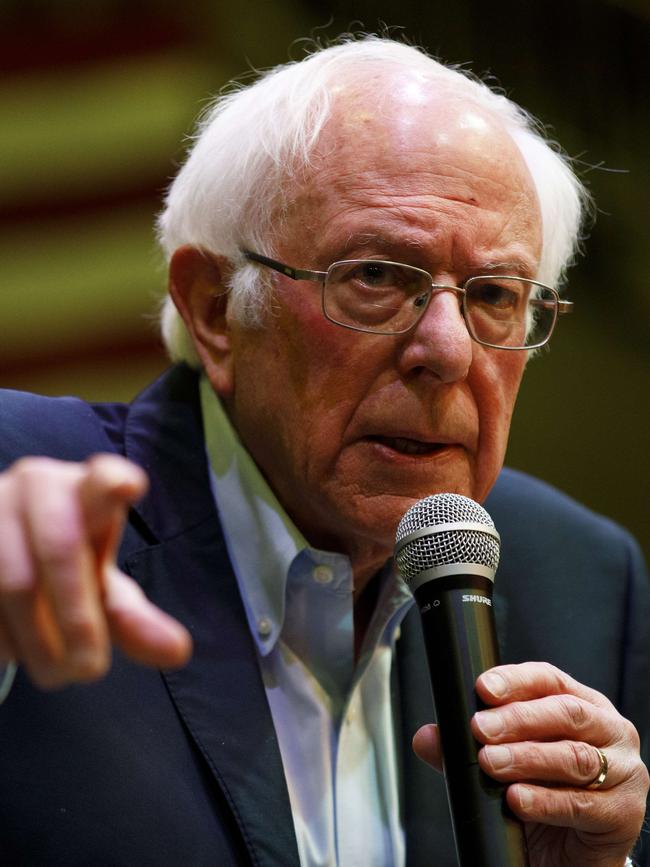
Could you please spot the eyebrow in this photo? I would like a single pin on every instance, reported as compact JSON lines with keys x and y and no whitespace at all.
{"x":521,"y":268}
{"x":524,"y":267}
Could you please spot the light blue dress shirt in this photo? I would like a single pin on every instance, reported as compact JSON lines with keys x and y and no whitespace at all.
{"x":332,"y":716}
{"x":7,"y":675}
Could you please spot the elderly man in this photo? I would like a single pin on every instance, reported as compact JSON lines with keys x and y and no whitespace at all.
{"x":360,"y":246}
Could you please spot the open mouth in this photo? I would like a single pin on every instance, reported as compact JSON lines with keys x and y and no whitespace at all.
{"x":406,"y":446}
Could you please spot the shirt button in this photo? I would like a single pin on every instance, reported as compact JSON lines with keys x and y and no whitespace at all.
{"x":264,"y":627}
{"x":322,"y":574}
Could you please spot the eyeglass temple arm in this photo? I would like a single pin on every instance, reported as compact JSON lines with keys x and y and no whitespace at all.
{"x":287,"y":270}
{"x":562,"y":306}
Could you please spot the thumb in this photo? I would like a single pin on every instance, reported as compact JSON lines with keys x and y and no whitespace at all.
{"x":426,"y":746}
{"x":138,"y":627}
{"x":143,"y":631}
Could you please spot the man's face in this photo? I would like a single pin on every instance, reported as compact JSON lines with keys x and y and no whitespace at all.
{"x":349,"y":428}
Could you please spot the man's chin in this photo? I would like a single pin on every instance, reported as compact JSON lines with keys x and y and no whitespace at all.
{"x":375,"y":517}
{"x":365,"y":500}
{"x":398,"y":486}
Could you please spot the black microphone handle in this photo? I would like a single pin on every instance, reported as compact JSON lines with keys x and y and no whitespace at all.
{"x":460,"y":639}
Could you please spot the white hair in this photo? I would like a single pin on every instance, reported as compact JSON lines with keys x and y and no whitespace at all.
{"x":255,"y":138}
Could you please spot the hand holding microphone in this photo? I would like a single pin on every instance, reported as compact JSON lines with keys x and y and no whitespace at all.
{"x":542,"y":735}
{"x":447,"y":550}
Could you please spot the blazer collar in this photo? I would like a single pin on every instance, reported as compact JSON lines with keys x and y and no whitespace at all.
{"x":164,"y":435}
{"x":219,"y":694}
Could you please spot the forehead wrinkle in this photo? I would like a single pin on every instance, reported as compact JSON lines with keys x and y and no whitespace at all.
{"x":489,"y":195}
{"x":526,"y":236}
{"x":413,"y":226}
{"x":381,"y":241}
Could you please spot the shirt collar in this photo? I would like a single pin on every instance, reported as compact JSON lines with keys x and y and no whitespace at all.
{"x":262,"y":540}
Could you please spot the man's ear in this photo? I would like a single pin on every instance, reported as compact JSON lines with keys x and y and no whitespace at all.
{"x":198,"y":286}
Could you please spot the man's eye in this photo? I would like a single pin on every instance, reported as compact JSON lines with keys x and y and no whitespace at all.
{"x":496,"y":295}
{"x":374,"y":274}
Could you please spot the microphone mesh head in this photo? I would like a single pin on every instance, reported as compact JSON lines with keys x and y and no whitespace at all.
{"x":451,"y":546}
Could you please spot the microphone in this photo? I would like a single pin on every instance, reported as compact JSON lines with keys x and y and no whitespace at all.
{"x":447,"y":551}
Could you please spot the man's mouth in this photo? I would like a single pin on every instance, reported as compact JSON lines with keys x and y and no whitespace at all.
{"x":407,"y":446}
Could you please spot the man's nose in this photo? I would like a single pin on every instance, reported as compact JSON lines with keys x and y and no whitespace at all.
{"x":440,"y":342}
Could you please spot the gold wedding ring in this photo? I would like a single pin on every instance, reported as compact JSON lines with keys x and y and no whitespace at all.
{"x":601,"y":776}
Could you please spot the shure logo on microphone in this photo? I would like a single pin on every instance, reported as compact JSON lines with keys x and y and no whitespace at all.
{"x":472,"y":597}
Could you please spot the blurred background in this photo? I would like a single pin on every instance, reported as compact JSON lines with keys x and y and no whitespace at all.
{"x":97,"y":97}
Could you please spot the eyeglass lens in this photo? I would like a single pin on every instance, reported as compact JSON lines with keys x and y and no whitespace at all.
{"x":389,"y":298}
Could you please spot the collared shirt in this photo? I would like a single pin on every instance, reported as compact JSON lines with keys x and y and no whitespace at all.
{"x":332,"y":716}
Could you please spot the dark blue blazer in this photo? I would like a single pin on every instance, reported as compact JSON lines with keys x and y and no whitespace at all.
{"x":161,"y":769}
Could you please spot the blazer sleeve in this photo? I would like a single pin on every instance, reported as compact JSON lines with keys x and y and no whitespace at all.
{"x":59,"y":427}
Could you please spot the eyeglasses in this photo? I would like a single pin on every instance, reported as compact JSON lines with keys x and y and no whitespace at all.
{"x":380,"y":297}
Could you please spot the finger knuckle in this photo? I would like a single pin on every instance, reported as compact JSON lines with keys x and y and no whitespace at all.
{"x":69,"y":666}
{"x":45,"y":676}
{"x":562,"y":683}
{"x":58,"y":548}
{"x":628,"y":733}
{"x":33,"y":468}
{"x":103,"y":462}
{"x":91,"y":667}
{"x":79,"y":630}
{"x":23,"y":466}
{"x":516,"y":715}
{"x":580,"y":804}
{"x":584,"y":759}
{"x":548,"y":668}
{"x":639,"y":777}
{"x":575,"y":712}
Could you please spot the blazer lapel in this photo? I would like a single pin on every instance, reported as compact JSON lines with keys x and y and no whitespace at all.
{"x":219,"y":694}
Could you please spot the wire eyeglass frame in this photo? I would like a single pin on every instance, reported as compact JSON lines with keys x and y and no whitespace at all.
{"x":554,"y":303}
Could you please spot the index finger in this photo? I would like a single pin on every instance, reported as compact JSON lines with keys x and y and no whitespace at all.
{"x":530,"y":680}
{"x":107,"y":488}
{"x":73,"y":516}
